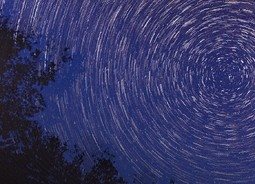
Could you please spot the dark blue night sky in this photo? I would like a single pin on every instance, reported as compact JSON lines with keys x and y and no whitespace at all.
{"x":167,"y":86}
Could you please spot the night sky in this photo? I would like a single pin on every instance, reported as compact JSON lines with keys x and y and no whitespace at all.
{"x":167,"y":86}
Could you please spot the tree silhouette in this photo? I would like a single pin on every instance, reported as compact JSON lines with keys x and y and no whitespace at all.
{"x":27,"y":154}
{"x":103,"y":172}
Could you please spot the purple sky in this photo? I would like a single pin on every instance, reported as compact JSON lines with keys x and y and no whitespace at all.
{"x":166,"y":86}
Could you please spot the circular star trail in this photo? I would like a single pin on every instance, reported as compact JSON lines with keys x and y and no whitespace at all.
{"x":167,"y":85}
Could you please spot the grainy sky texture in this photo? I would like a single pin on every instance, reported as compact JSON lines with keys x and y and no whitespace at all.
{"x":167,"y":86}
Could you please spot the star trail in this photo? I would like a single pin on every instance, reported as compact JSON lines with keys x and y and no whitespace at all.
{"x":167,"y":86}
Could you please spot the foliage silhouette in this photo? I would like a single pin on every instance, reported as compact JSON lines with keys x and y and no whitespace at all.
{"x":27,"y":154}
{"x":103,"y":171}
